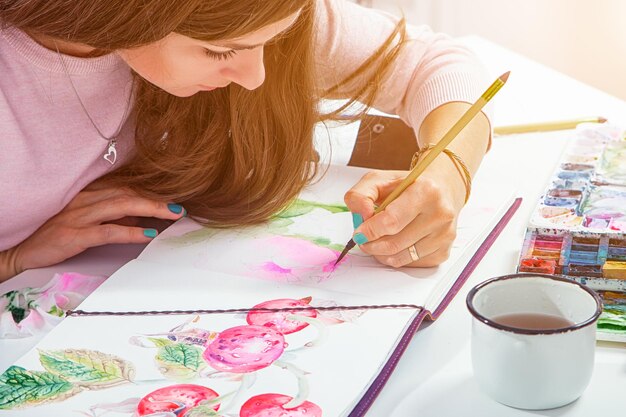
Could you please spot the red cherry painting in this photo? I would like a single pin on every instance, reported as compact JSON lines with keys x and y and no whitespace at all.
{"x":244,"y":349}
{"x":272,"y":405}
{"x":178,"y":399}
{"x":279,"y":320}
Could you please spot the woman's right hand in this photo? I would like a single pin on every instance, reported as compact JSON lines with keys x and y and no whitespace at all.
{"x":95,"y":217}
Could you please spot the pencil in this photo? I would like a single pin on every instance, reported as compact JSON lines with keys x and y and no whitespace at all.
{"x":437,"y":149}
{"x":546,"y":126}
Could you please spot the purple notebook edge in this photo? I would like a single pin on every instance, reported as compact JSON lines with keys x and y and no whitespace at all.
{"x":478,"y":256}
{"x":372,"y":392}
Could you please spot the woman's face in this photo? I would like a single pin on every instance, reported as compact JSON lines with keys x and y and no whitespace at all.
{"x":183,"y":66}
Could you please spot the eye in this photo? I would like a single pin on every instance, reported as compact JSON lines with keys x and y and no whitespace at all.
{"x":219,"y":56}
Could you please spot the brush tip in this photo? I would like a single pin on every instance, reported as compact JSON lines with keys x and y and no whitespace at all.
{"x":602,"y":119}
{"x":505,"y":76}
{"x":345,"y":251}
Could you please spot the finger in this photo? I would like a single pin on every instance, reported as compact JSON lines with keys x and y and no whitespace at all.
{"x":127,"y":205}
{"x":430,"y":251}
{"x":422,"y":198}
{"x":154,"y":223}
{"x":434,"y":259}
{"x":127,"y":221}
{"x":91,"y":196}
{"x":364,"y":195}
{"x":113,"y":233}
{"x":393,"y":219}
{"x":441,"y":224}
{"x":423,"y":247}
{"x":392,"y":244}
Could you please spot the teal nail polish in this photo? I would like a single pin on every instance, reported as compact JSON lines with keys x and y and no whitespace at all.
{"x":359,"y":239}
{"x":151,"y":233}
{"x":357,"y":219}
{"x":175,"y":208}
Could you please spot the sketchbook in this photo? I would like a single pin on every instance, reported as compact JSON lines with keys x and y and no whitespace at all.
{"x":315,"y":361}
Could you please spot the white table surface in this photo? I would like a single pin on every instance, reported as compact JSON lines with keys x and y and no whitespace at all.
{"x":434,"y":377}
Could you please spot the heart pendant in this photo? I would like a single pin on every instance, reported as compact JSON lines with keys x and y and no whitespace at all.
{"x":111,"y":155}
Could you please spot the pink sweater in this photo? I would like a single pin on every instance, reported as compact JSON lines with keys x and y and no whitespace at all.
{"x":50,"y":149}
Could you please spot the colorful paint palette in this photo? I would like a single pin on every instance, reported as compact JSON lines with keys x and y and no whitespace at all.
{"x":578,"y":228}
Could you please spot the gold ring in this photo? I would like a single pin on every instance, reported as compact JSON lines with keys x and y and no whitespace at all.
{"x":413,"y":252}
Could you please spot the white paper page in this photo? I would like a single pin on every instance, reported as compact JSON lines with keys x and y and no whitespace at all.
{"x":486,"y":207}
{"x":301,"y":249}
{"x":332,"y":374}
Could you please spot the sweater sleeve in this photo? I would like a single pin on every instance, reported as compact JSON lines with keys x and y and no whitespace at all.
{"x":432,"y":69}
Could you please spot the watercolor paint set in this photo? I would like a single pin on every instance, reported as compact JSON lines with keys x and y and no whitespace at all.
{"x":578,"y":228}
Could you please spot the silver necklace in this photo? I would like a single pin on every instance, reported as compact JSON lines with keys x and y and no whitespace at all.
{"x":111,"y":152}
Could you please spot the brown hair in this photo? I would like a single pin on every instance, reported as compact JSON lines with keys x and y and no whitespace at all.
{"x":231,"y":156}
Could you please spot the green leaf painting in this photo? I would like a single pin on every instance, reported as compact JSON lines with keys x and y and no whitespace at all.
{"x":321,"y":241}
{"x":179,"y":361}
{"x":202,"y":411}
{"x":16,"y":304}
{"x":87,"y":368}
{"x":192,"y":238}
{"x":160,"y":341}
{"x":301,"y":207}
{"x":21,"y":388}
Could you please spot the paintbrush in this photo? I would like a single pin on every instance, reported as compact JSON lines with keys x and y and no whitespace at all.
{"x":546,"y":126}
{"x":436,"y":150}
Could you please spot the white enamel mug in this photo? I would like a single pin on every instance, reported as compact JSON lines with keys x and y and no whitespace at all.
{"x":533,"y":369}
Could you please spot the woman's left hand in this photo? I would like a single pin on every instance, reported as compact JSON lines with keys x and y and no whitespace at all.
{"x":418,"y":228}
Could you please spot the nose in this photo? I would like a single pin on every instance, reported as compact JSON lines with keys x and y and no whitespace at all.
{"x":248,"y":71}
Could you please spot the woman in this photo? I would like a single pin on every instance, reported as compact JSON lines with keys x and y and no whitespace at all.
{"x":211,"y":104}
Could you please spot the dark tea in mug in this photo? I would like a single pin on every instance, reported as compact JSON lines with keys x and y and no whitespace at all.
{"x":533,"y":321}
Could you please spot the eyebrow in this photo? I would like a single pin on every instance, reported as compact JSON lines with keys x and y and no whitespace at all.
{"x":239,"y":47}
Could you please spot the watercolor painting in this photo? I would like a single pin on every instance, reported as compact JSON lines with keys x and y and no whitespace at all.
{"x":194,"y":359}
{"x":281,"y":250}
{"x":307,"y":359}
{"x":261,"y":364}
{"x":34,"y":311}
{"x":578,"y":228}
{"x":301,"y":244}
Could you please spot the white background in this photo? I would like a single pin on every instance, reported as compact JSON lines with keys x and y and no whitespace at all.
{"x":582,"y":38}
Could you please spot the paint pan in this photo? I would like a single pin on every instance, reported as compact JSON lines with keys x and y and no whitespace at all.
{"x":585,"y":270}
{"x":574,"y":175}
{"x":569,"y":184}
{"x":549,"y":242}
{"x":575,"y":171}
{"x":612,"y":297}
{"x":614,"y":270}
{"x":584,"y":251}
{"x":541,"y":266}
{"x":547,"y":246}
{"x":581,"y":159}
{"x":616,"y":250}
{"x":563,"y":198}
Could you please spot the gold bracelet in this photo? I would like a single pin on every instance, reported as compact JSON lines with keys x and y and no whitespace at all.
{"x":456,"y":161}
